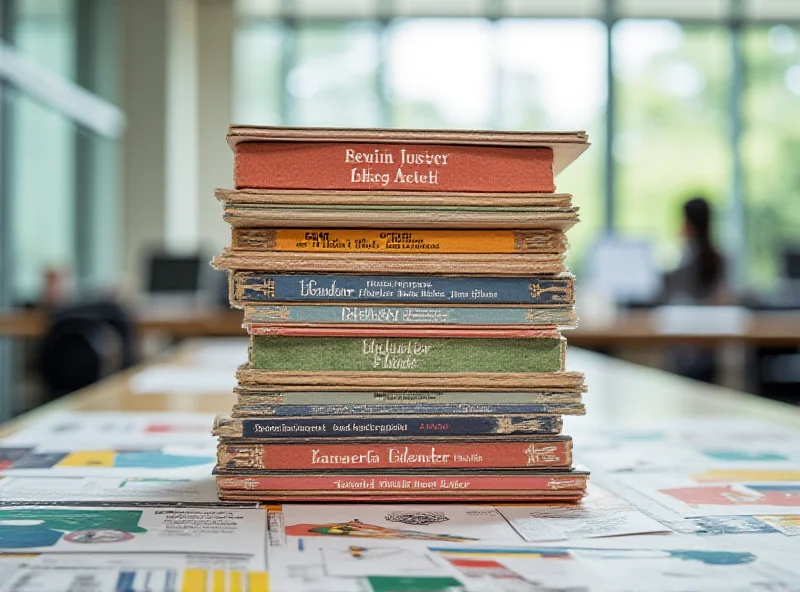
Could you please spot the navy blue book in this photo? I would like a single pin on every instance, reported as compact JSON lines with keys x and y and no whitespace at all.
{"x":257,"y":286}
{"x":355,"y":427}
{"x":407,"y":409}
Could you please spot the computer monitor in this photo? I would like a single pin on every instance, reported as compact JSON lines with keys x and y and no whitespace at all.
{"x":624,"y":270}
{"x":170,"y":274}
{"x":176,"y":280}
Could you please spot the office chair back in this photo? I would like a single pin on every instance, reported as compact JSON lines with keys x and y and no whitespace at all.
{"x":85,"y":343}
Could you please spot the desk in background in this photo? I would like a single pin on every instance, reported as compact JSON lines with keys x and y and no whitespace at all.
{"x":631,"y":335}
{"x":638,"y":328}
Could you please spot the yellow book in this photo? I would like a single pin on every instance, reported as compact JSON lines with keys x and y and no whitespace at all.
{"x":401,"y":242}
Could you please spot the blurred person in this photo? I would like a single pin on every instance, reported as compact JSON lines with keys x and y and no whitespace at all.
{"x":700,"y":276}
{"x":699,"y":279}
{"x":56,"y":288}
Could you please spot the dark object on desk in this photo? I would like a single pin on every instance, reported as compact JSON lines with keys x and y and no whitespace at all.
{"x":171,"y":274}
{"x":791,"y":263}
{"x":85,"y":343}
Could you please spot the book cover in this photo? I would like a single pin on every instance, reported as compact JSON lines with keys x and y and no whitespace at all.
{"x":255,"y":396}
{"x":263,"y":315}
{"x":472,"y":264}
{"x":566,"y":146}
{"x":396,"y":481}
{"x":397,"y":242}
{"x":406,"y":354}
{"x":521,"y":453}
{"x":406,"y":167}
{"x":254,"y":287}
{"x":379,"y":426}
{"x":266,"y":410}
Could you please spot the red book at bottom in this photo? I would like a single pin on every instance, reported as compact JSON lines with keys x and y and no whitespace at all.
{"x":374,"y":484}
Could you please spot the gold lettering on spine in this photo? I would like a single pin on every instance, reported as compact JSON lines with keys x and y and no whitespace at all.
{"x":537,"y":291}
{"x":541,"y":455}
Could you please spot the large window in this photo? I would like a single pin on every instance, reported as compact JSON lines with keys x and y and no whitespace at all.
{"x":771,"y":147}
{"x":62,"y":180}
{"x":440,"y":73}
{"x":672,"y":140}
{"x":42,"y":153}
{"x":258,"y":76}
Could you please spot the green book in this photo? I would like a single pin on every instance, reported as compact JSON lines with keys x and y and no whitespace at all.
{"x":406,"y":354}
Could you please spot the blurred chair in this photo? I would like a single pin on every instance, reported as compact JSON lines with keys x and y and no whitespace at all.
{"x":85,"y":343}
{"x":791,"y":263}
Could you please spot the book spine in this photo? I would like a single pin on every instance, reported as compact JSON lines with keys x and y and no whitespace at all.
{"x":399,"y":242}
{"x":490,"y":497}
{"x":393,"y":332}
{"x":461,"y":425}
{"x":406,"y":409}
{"x":254,"y":286}
{"x":462,"y":455}
{"x":404,"y":482}
{"x":393,"y":355}
{"x":395,"y":398}
{"x":404,"y":167}
{"x":402,"y":315}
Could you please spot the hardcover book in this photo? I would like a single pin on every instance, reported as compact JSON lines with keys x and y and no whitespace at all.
{"x":382,"y":426}
{"x":266,"y":410}
{"x":402,"y":381}
{"x":426,"y":199}
{"x":406,"y":354}
{"x":257,"y":316}
{"x":492,"y":496}
{"x":433,"y":332}
{"x":427,"y":481}
{"x":258,"y":287}
{"x":255,"y":396}
{"x":389,"y":263}
{"x":397,"y":242}
{"x":523,"y":452}
{"x":365,"y":216}
{"x":400,"y":160}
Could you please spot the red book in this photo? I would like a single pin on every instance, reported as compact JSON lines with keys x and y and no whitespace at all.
{"x":400,"y":160}
{"x":520,"y":454}
{"x":403,"y":167}
{"x":373,"y":483}
{"x":491,"y":497}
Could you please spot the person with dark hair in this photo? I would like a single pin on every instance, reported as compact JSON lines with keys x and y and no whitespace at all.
{"x":700,"y":277}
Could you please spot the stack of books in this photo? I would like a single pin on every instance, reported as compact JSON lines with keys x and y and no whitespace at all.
{"x":404,"y":293}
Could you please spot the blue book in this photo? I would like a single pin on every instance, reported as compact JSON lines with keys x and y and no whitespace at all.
{"x":256,"y":286}
{"x":370,"y":427}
